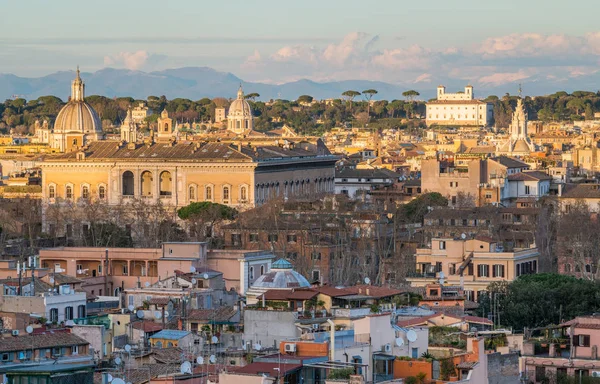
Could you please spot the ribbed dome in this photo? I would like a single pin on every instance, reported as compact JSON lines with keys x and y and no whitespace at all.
{"x":239,"y":106}
{"x":77,"y":116}
{"x":281,"y":276}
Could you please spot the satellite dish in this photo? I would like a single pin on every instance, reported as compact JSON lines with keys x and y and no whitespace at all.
{"x":399,"y":341}
{"x":29,"y":329}
{"x":140,"y":314}
{"x":442,"y":275}
{"x":367,"y":280}
{"x":131,"y":308}
{"x":166,"y":314}
{"x":212,"y":359}
{"x":185,"y":367}
{"x":127,"y":348}
{"x":118,"y":381}
{"x":109,"y":378}
{"x":214,"y":339}
{"x":118,"y":360}
{"x":69,"y":323}
{"x":192,"y":269}
{"x":205,"y":275}
{"x":194,"y":281}
{"x":257,"y":346}
{"x":200,"y":360}
{"x":147,"y":284}
{"x":411,"y":336}
{"x":463,"y":236}
{"x":157,"y":314}
{"x":52,"y":280}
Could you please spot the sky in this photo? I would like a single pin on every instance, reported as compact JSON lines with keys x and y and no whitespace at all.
{"x":396,"y":41}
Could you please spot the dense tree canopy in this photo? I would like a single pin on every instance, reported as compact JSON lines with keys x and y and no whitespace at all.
{"x":541,"y":300}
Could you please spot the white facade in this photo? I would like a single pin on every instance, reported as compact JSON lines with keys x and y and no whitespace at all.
{"x":459,"y":108}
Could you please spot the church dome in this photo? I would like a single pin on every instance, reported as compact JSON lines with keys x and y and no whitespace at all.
{"x":281,"y":276}
{"x":77,"y":116}
{"x":239,"y":106}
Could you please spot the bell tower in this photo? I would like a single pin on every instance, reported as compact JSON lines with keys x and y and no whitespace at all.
{"x":165,"y":126}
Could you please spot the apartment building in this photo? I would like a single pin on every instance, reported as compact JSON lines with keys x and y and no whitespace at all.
{"x":471,"y":264}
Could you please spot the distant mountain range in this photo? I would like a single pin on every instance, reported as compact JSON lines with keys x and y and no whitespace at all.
{"x":198,"y":82}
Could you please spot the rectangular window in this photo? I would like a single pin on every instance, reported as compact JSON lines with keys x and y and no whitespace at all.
{"x":527,"y":190}
{"x":316,"y":256}
{"x":316,"y":275}
{"x":498,"y":270}
{"x":253,"y":237}
{"x":583,"y":340}
{"x":236,"y":239}
{"x":442,"y":245}
{"x":483,"y":270}
{"x":273,"y":237}
{"x":292,"y":238}
{"x":75,"y":350}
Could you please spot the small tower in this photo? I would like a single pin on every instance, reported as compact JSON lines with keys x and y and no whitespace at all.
{"x":129,"y":129}
{"x":165,"y":126}
{"x":441,"y":90}
{"x":469,"y":92}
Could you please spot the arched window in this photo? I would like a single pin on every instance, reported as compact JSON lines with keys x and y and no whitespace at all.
{"x":262,"y":270}
{"x":146,"y":183}
{"x":244,"y":193}
{"x":568,"y":268}
{"x":158,"y":344}
{"x":251,"y":273}
{"x":166,"y":127}
{"x":52,"y":191}
{"x":127,"y":183}
{"x":69,"y":192}
{"x":85,"y":192}
{"x":102,"y":192}
{"x":209,"y":193}
{"x":588,"y":268}
{"x":226,"y":194}
{"x":192,"y":193}
{"x":165,"y":183}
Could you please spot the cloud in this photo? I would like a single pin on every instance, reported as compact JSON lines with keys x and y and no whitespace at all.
{"x":130,"y":60}
{"x":504,"y":78}
{"x":491,"y":62}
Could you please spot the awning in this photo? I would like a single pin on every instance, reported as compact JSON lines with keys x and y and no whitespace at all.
{"x":383,"y":356}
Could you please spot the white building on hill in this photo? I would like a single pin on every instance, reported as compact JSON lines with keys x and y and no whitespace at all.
{"x":458,"y":109}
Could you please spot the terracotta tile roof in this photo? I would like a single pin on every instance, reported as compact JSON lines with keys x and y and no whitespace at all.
{"x":46,"y":340}
{"x":478,"y":320}
{"x":373,"y":291}
{"x":529,"y":176}
{"x":158,"y":152}
{"x":581,"y":191}
{"x":510,"y":162}
{"x":219,"y":315}
{"x":415,"y":321}
{"x":295,"y":294}
{"x":173,"y":355}
{"x":147,"y":326}
{"x":159,"y":300}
